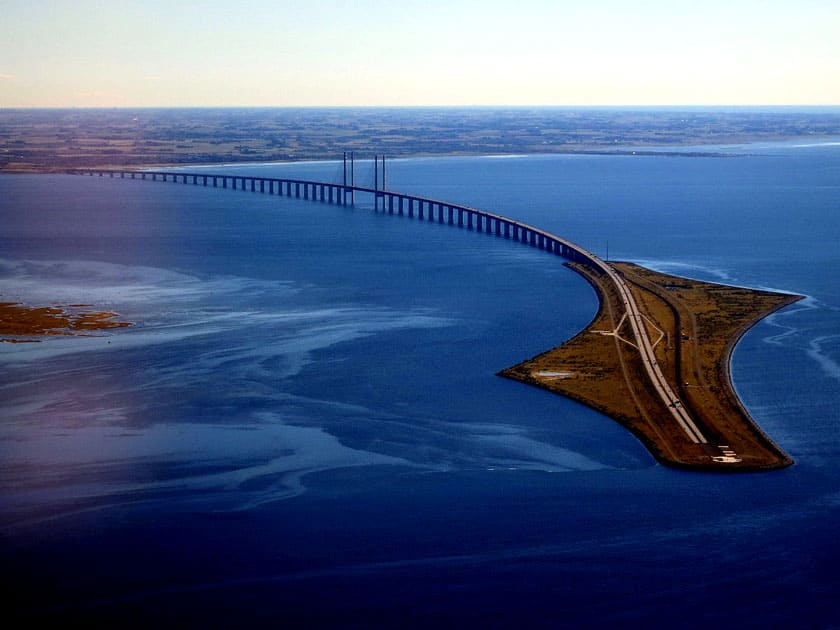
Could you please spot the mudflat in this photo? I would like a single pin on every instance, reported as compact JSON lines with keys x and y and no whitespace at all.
{"x":694,"y":327}
{"x":24,"y":324}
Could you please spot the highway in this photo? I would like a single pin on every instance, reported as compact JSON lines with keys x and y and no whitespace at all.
{"x":663,"y":389}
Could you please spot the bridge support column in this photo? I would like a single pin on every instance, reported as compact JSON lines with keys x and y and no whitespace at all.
{"x":469,"y":220}
{"x":400,"y":206}
{"x":420,"y":210}
{"x":411,"y":208}
{"x":450,"y":215}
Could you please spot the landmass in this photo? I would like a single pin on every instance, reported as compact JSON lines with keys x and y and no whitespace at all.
{"x":45,"y":140}
{"x":24,"y":324}
{"x":694,"y":327}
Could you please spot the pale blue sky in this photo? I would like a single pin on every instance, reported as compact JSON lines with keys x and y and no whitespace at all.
{"x":455,"y":52}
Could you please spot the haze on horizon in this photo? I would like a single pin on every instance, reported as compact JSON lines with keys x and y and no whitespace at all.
{"x":87,"y":53}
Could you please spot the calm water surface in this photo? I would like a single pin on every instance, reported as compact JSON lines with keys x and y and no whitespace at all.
{"x":304,"y":424}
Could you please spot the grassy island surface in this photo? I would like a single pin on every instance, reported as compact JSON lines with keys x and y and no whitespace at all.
{"x":694,"y":326}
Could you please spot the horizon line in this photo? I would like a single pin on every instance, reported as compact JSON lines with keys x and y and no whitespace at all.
{"x":474,"y":106}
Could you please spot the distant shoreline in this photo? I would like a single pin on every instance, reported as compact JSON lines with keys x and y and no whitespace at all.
{"x":39,"y":141}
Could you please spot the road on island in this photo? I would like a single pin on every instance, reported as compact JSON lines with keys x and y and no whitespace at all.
{"x":663,"y":389}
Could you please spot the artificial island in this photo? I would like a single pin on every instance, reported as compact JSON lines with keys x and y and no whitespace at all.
{"x":659,"y":366}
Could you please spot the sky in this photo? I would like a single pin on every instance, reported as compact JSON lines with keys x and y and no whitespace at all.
{"x":179,"y":53}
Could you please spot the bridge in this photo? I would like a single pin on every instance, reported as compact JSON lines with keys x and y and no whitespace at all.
{"x":442,"y":212}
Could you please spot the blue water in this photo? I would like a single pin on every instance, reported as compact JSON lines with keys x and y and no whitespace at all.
{"x":304,"y":425}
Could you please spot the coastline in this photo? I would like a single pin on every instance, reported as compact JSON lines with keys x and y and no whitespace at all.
{"x":642,"y":151}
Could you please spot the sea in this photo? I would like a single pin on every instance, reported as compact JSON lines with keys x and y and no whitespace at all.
{"x":304,"y":428}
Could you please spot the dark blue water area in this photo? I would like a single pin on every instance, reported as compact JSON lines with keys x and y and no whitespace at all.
{"x":304,"y":425}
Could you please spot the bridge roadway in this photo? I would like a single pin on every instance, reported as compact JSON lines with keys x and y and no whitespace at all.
{"x":472,"y":218}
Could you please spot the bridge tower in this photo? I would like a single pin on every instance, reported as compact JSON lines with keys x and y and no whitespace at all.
{"x":352,"y":190}
{"x":379,"y":193}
